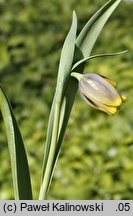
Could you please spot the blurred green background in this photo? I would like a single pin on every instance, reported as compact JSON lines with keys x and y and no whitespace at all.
{"x":96,"y":161}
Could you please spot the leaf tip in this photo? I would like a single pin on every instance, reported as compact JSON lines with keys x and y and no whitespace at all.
{"x":74,"y":15}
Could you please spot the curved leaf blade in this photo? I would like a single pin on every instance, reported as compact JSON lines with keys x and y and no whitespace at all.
{"x":92,"y":29}
{"x":84,"y":60}
{"x":18,"y":158}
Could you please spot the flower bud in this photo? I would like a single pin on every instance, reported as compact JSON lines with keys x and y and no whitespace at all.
{"x":100,"y":92}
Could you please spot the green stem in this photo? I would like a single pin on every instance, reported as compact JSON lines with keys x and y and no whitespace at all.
{"x":49,"y":166}
{"x":77,"y":75}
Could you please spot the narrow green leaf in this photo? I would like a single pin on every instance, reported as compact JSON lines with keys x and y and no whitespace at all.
{"x":19,"y":164}
{"x":84,"y":60}
{"x":67,"y":54}
{"x":92,"y":29}
{"x":64,"y":71}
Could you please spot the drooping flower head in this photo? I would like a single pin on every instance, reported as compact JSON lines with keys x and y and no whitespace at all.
{"x":100,"y":92}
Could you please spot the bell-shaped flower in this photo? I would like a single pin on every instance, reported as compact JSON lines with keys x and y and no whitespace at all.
{"x":99,"y":92}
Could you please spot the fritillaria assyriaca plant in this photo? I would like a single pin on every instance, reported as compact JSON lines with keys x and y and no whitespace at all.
{"x":98,"y":91}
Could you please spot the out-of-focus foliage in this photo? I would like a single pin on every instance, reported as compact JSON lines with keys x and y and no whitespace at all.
{"x":96,"y":160}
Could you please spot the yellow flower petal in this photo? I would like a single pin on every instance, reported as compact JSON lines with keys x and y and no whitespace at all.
{"x":123,"y":97}
{"x":109,"y":110}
